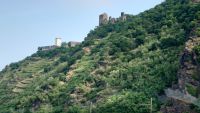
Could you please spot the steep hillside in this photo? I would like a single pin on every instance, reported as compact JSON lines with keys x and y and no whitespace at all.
{"x":148,"y":63}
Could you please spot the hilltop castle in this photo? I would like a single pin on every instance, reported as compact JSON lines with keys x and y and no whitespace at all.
{"x":58,"y":43}
{"x":104,"y":19}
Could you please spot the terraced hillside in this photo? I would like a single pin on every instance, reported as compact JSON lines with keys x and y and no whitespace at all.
{"x":119,"y":68}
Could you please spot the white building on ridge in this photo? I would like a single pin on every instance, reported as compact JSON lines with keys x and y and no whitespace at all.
{"x":58,"y":42}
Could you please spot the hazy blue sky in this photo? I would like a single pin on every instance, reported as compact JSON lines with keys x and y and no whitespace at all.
{"x":27,"y":24}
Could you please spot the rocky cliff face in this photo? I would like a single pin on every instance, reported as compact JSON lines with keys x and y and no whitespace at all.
{"x":186,"y":92}
{"x":189,"y":73}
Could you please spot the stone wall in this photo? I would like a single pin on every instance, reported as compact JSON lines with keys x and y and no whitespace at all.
{"x":46,"y":48}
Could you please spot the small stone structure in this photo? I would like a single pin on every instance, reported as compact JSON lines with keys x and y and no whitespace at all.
{"x":73,"y":43}
{"x":103,"y":19}
{"x":112,"y":20}
{"x":123,"y":16}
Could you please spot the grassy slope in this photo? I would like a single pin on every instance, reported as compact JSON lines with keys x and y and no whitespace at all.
{"x":129,"y":63}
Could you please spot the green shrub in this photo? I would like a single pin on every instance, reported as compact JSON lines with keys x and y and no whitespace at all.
{"x":197,"y":31}
{"x":139,"y":40}
{"x":197,"y":51}
{"x":192,"y":90}
{"x":128,"y":103}
{"x":73,"y":109}
{"x":14,"y":66}
{"x":168,"y":42}
{"x":154,"y":46}
{"x":47,"y":69}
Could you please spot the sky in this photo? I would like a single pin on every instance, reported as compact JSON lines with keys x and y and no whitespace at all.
{"x":27,"y":24}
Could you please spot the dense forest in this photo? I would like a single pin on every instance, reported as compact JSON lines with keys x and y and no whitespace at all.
{"x":118,"y":68}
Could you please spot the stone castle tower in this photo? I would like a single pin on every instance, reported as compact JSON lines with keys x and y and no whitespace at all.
{"x":103,"y":19}
{"x":58,"y":42}
{"x":123,"y":16}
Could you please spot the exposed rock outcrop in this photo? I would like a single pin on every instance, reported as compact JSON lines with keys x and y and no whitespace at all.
{"x":196,"y":1}
{"x":187,"y":91}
